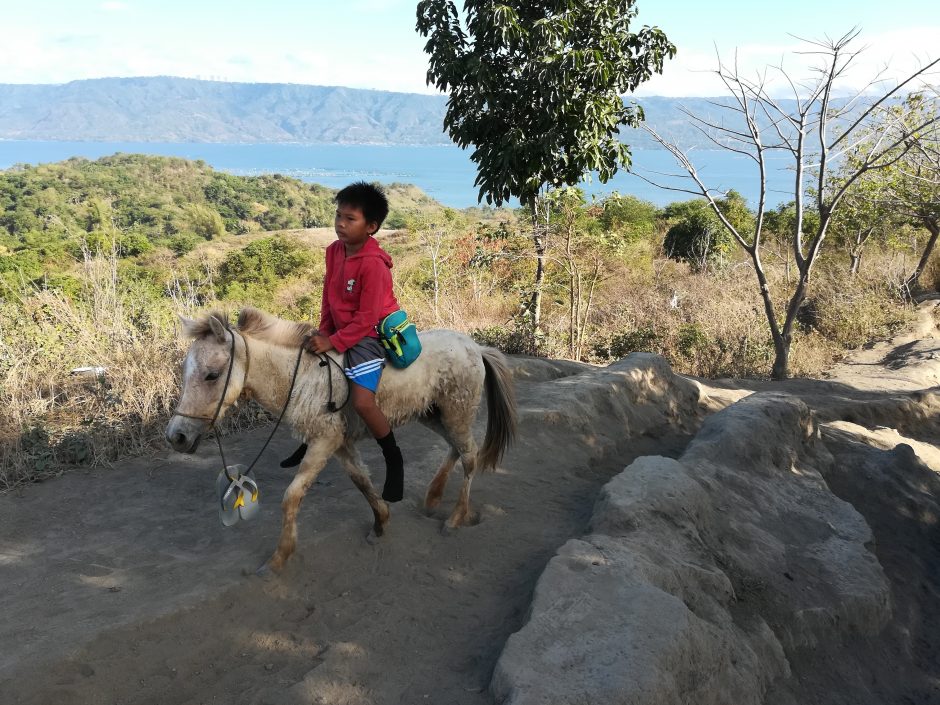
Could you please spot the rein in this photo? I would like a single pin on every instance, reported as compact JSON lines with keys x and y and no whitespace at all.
{"x":325,"y":360}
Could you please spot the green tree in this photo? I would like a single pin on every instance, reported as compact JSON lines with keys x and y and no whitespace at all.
{"x":535,"y":88}
{"x":205,"y":221}
{"x":697,"y":235}
{"x":630,"y":217}
{"x":263,"y":262}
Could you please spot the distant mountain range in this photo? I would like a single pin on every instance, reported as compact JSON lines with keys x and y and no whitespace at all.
{"x":167,"y":109}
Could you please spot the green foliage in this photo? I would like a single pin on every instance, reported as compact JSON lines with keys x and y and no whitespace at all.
{"x":780,"y":222}
{"x":181,"y":243}
{"x":136,"y":203}
{"x":512,"y":340}
{"x":262,"y":263}
{"x":622,"y":344}
{"x":536,"y":88}
{"x":697,"y":236}
{"x":691,"y":339}
{"x":24,"y":265}
{"x":204,"y":221}
{"x":734,"y":207}
{"x":629,"y":216}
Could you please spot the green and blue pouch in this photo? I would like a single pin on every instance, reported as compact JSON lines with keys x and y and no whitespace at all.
{"x":399,"y":337}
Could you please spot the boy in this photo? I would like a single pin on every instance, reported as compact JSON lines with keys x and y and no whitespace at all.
{"x":357,"y":295}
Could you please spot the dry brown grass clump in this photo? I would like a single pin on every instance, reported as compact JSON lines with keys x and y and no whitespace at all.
{"x":53,"y":418}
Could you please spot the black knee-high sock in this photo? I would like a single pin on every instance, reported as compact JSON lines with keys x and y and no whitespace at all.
{"x":394,"y":488}
{"x":295,"y":457}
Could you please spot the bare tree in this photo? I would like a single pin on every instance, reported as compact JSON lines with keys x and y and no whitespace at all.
{"x":813,"y":129}
{"x":435,"y":237}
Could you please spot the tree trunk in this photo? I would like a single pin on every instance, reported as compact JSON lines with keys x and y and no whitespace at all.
{"x":861,"y":237}
{"x":912,"y":281}
{"x":783,"y":340}
{"x":856,"y":262}
{"x":536,"y":308}
{"x":595,"y":277}
{"x":781,"y":366}
{"x":538,"y":240}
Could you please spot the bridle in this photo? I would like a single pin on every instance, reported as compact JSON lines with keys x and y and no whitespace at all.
{"x":331,"y":406}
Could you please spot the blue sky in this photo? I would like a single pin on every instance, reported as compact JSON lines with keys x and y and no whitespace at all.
{"x":372,"y":43}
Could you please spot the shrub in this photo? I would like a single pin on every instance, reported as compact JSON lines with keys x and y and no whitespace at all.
{"x":622,"y":344}
{"x":515,"y":340}
{"x":698,"y":237}
{"x":263,"y":262}
{"x":181,"y":243}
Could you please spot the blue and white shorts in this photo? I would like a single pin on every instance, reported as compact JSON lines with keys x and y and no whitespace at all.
{"x":363,"y":363}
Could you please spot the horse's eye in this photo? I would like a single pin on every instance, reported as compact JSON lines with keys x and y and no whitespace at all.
{"x":212,"y":377}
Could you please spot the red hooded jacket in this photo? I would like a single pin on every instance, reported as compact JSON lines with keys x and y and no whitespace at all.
{"x":357,"y":293}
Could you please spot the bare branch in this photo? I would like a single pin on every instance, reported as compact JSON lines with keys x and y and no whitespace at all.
{"x":861,"y":118}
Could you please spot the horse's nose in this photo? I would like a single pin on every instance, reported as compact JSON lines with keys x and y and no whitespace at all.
{"x":178,"y":440}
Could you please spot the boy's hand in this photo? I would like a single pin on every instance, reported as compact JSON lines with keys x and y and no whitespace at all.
{"x":318,"y":344}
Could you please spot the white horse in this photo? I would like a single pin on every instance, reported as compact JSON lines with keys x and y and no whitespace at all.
{"x":441,"y":389}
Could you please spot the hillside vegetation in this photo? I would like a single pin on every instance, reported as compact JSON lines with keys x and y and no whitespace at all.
{"x":169,"y":109}
{"x":99,"y":257}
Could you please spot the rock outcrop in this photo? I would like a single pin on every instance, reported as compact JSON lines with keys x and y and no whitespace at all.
{"x":701,"y":574}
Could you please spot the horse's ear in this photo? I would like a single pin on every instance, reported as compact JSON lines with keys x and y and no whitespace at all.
{"x":218,"y":328}
{"x":190,"y":326}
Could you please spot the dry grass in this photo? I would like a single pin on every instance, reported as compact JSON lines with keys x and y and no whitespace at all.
{"x":707,"y":324}
{"x":52,"y":418}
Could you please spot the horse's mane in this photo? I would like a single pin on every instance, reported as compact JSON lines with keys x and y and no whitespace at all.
{"x":263,"y":326}
{"x":199,"y":328}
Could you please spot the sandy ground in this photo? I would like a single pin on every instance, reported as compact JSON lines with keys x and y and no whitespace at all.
{"x":121,"y":585}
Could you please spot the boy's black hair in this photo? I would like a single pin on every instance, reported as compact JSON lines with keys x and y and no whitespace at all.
{"x":369,"y":198}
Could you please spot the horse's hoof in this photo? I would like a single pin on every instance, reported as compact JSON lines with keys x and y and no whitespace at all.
{"x":259,"y":572}
{"x":448,"y":530}
{"x":374,"y":537}
{"x":265,"y":570}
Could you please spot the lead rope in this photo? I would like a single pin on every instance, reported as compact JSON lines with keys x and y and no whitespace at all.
{"x":218,"y":408}
{"x":325,"y":360}
{"x":331,"y":405}
{"x":277,"y":423}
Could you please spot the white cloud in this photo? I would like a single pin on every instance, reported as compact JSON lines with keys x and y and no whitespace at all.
{"x":890,"y":56}
{"x":30,"y":55}
{"x":113,"y":6}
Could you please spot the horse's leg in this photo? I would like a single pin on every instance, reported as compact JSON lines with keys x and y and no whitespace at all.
{"x":432,"y":496}
{"x":318,"y":453}
{"x":436,"y":487}
{"x":466,"y":447}
{"x":352,"y":463}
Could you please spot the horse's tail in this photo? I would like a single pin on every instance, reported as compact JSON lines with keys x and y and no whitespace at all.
{"x":501,"y":400}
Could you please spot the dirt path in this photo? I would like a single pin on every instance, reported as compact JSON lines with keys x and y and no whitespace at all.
{"x":122,"y":586}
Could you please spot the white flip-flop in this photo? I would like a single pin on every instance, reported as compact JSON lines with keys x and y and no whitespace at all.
{"x":239,"y":497}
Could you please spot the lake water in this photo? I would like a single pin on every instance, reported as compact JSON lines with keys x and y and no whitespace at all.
{"x":445,"y":173}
